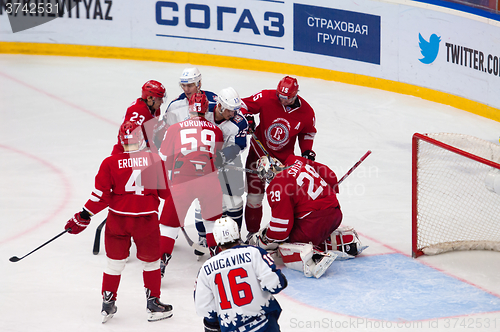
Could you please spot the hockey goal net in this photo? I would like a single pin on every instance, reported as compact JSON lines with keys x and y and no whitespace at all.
{"x":455,"y":194}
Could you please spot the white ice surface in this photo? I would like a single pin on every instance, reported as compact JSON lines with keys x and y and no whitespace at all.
{"x":59,"y":119}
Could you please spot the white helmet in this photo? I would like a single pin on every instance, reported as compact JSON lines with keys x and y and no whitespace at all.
{"x":268,"y":167}
{"x":226,"y":231}
{"x":190,"y":75}
{"x":228,"y":98}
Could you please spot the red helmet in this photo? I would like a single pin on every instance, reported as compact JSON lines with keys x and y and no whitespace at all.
{"x":198,"y":103}
{"x":287,"y":87}
{"x":130,"y":133}
{"x":154,"y":89}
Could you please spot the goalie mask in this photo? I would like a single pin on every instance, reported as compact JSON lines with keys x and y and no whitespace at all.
{"x":268,"y":167}
{"x":226,"y":231}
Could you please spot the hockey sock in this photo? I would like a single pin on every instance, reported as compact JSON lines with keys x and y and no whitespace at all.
{"x":253,"y":216}
{"x":152,"y":281}
{"x":166,"y":245}
{"x":110,"y":283}
{"x":236,"y":215}
{"x":198,"y":222}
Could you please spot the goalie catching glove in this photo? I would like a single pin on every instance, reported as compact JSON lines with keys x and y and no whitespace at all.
{"x":79,"y":222}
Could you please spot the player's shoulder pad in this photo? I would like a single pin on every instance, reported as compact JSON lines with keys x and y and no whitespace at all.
{"x":182,"y":96}
{"x":212,"y":97}
{"x":212,"y":100}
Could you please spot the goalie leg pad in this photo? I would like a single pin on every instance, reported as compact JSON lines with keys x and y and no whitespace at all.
{"x":303,"y":257}
{"x":295,"y":255}
{"x":346,"y":240}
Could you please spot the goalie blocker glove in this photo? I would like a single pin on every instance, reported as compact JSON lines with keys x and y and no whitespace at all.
{"x":79,"y":222}
{"x":309,"y":154}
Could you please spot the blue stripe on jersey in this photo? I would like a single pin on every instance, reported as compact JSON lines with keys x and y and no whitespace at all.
{"x":242,"y":124}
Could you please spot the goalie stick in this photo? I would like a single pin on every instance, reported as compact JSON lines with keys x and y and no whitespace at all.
{"x":354,"y":167}
{"x":263,"y":149}
{"x":97,"y":239}
{"x":194,"y":245}
{"x":17,"y":259}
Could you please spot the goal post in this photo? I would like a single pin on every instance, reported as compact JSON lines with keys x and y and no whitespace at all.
{"x":455,"y":194}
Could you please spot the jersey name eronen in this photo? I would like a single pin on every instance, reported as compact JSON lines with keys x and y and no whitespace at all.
{"x":133,"y":162}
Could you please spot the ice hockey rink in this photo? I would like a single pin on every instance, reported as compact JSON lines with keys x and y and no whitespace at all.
{"x":59,"y":120}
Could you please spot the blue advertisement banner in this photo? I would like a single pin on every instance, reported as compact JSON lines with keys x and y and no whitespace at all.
{"x":337,"y":33}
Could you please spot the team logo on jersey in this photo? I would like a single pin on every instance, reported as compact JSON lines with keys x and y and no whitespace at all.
{"x":278,"y":134}
{"x":237,"y":118}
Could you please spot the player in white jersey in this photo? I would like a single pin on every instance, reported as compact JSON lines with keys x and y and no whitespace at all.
{"x":178,"y":111}
{"x":234,"y":289}
{"x":190,"y":82}
{"x":233,"y":125}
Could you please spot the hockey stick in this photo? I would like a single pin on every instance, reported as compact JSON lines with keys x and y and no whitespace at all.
{"x":97,"y":240}
{"x":239,"y":169}
{"x":262,"y":148}
{"x":354,"y":167}
{"x":17,"y":259}
{"x":193,"y":245}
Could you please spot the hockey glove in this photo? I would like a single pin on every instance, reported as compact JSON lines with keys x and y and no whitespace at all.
{"x":309,"y":154}
{"x":220,"y":159}
{"x":260,"y":240}
{"x":211,"y":326}
{"x":78,"y":223}
{"x":251,"y":123}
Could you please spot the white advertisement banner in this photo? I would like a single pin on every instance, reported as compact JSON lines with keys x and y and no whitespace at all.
{"x":401,"y":41}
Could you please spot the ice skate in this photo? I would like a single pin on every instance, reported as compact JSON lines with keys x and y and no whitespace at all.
{"x":108,"y":307}
{"x":157,"y":310}
{"x":202,"y":241}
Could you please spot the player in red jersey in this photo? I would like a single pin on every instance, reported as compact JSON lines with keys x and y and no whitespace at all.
{"x":189,"y":150}
{"x":145,"y":112}
{"x":304,"y":214}
{"x":130,"y":184}
{"x":284,"y":118}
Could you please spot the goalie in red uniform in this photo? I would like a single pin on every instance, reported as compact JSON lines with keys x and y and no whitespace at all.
{"x":130,"y":184}
{"x":284,"y":117}
{"x":305,"y":215}
{"x":189,"y":149}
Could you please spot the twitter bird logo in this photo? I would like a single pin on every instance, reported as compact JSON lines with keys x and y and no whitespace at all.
{"x":429,"y":49}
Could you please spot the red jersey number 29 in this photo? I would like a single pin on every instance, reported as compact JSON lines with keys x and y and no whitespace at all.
{"x":241,"y":292}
